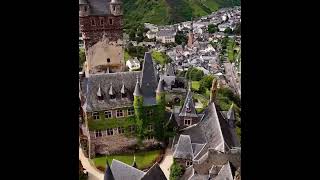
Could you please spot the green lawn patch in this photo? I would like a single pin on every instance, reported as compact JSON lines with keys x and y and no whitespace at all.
{"x":143,"y":159}
{"x":195,"y":85}
{"x":159,"y":57}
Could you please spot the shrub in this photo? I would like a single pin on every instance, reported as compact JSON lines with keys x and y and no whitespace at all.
{"x":175,"y":171}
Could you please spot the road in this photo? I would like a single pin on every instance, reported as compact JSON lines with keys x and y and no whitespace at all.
{"x":94,"y":174}
{"x":166,"y":162}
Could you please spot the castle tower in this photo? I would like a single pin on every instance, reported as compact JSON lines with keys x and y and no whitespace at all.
{"x":84,"y":9}
{"x":191,"y":36}
{"x":116,"y":7}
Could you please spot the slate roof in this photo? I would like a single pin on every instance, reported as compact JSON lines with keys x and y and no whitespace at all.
{"x":188,"y":173}
{"x":229,"y":133}
{"x":224,"y":173}
{"x":165,"y":32}
{"x":196,"y":148}
{"x":83,"y":2}
{"x":148,"y":80}
{"x":183,"y":149}
{"x":122,"y":171}
{"x":188,"y":105}
{"x":98,"y":7}
{"x":154,"y":173}
{"x":108,"y":174}
{"x":169,"y":70}
{"x":90,"y":86}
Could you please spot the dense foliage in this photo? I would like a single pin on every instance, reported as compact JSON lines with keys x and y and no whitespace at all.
{"x":181,"y":38}
{"x":212,"y":28}
{"x":82,"y":58}
{"x":194,"y":74}
{"x":165,"y":12}
{"x":136,"y":51}
{"x":175,"y":171}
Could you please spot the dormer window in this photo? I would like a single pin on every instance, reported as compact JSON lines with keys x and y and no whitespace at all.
{"x":188,"y":163}
{"x":93,"y":22}
{"x":123,"y":91}
{"x":187,"y":122}
{"x":111,"y":93}
{"x":149,"y":113}
{"x":188,"y":110}
{"x":95,"y":115}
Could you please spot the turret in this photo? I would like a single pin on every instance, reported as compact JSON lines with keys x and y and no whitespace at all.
{"x":137,"y":99}
{"x":116,"y":7}
{"x":84,"y":8}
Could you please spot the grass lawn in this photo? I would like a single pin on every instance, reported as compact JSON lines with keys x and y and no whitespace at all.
{"x":159,"y":57}
{"x":195,"y":85}
{"x":143,"y":159}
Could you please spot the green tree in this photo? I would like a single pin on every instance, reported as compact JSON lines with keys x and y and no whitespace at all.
{"x":228,"y":30}
{"x":175,"y":171}
{"x":82,"y":58}
{"x":206,"y":81}
{"x":132,"y":35}
{"x":180,"y":38}
{"x":212,"y":28}
{"x":194,"y":74}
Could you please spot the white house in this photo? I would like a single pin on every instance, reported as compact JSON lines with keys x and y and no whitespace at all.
{"x":151,"y":34}
{"x":166,"y":36}
{"x":133,"y":64}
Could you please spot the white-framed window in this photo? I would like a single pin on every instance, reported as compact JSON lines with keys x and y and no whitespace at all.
{"x":109,"y":132}
{"x":149,"y":113}
{"x":150,"y":127}
{"x":130,"y":112}
{"x":132,"y":128}
{"x":95,"y":115}
{"x":120,"y":113}
{"x":187,"y":122}
{"x":98,"y":133}
{"x":107,"y":114}
{"x":120,"y":130}
{"x":188,"y":163}
{"x":150,"y":137}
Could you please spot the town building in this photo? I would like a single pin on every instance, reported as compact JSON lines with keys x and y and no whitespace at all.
{"x":119,"y":108}
{"x":101,"y":27}
{"x":133,"y":64}
{"x":166,"y":36}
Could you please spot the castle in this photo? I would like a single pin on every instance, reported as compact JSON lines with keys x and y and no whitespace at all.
{"x":121,"y":108}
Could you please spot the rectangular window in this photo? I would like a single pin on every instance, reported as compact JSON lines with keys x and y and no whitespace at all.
{"x":95,"y":115}
{"x":101,"y":21}
{"x":150,"y":127}
{"x":120,"y":130}
{"x":110,"y":21}
{"x":132,"y":128}
{"x":188,"y":163}
{"x":119,"y":113}
{"x":150,"y":137}
{"x":109,"y":131}
{"x":93,"y":22}
{"x":98,"y":133}
{"x":107,"y":114}
{"x":130,"y":112}
{"x":187,"y":122}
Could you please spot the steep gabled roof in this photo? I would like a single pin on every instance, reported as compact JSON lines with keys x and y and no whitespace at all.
{"x":224,"y":173}
{"x":148,"y":80}
{"x":188,"y":108}
{"x":108,"y":174}
{"x":98,"y":7}
{"x":154,"y":173}
{"x":231,"y":113}
{"x":122,"y":171}
{"x":184,"y":148}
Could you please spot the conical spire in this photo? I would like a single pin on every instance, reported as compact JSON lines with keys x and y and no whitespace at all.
{"x":137,"y":91}
{"x":188,"y":108}
{"x":231,"y":113}
{"x":108,"y":174}
{"x":99,"y":91}
{"x":111,"y":90}
{"x":213,"y":90}
{"x":134,"y":164}
{"x":160,"y":87}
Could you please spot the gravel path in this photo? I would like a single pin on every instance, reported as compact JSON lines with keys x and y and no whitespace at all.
{"x":94,"y":174}
{"x":166,"y":162}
